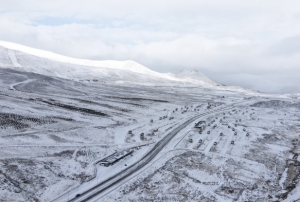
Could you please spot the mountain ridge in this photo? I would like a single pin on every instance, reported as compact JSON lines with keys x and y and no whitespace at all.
{"x":51,"y":64}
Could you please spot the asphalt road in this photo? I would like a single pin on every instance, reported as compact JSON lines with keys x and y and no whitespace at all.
{"x":106,"y":184}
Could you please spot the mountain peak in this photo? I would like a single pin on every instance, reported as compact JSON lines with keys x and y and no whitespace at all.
{"x":29,"y":59}
{"x":197,"y":76}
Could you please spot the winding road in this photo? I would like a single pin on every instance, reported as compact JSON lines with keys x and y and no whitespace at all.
{"x":120,"y":176}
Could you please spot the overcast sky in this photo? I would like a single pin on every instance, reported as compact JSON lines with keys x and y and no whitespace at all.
{"x":253,"y":44}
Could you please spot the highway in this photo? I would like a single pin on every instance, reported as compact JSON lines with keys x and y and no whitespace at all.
{"x":108,"y":183}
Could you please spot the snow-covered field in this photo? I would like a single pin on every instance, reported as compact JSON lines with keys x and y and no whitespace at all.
{"x":263,"y":166}
{"x":59,"y":116}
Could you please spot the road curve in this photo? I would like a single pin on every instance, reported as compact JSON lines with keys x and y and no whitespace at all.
{"x":96,"y":190}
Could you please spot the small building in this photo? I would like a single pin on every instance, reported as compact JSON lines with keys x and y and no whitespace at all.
{"x":115,"y":157}
{"x":200,"y":125}
{"x":142,"y":136}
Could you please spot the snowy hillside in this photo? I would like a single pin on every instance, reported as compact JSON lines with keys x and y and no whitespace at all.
{"x":127,"y":65}
{"x":63,"y":120}
{"x":196,"y":77}
{"x":50,"y":64}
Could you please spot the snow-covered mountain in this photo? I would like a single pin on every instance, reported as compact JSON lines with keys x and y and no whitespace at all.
{"x":47,"y":63}
{"x":196,"y":76}
{"x":54,"y":133}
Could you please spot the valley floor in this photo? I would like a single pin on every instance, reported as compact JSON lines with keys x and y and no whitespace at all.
{"x":54,"y":131}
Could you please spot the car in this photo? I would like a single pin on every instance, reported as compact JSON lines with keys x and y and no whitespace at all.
{"x":235,"y":133}
{"x":215,"y":125}
{"x":77,"y":195}
{"x":200,"y":141}
{"x":221,"y":134}
{"x":209,"y":124}
{"x":233,"y":129}
{"x":191,"y":140}
{"x":247,"y":134}
{"x":200,"y":131}
{"x":208,"y":132}
{"x":215,"y":143}
{"x":244,"y":129}
{"x":229,"y":127}
{"x":232,"y":142}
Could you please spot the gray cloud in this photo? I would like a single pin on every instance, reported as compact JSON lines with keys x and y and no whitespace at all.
{"x":252,"y":44}
{"x":286,"y":47}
